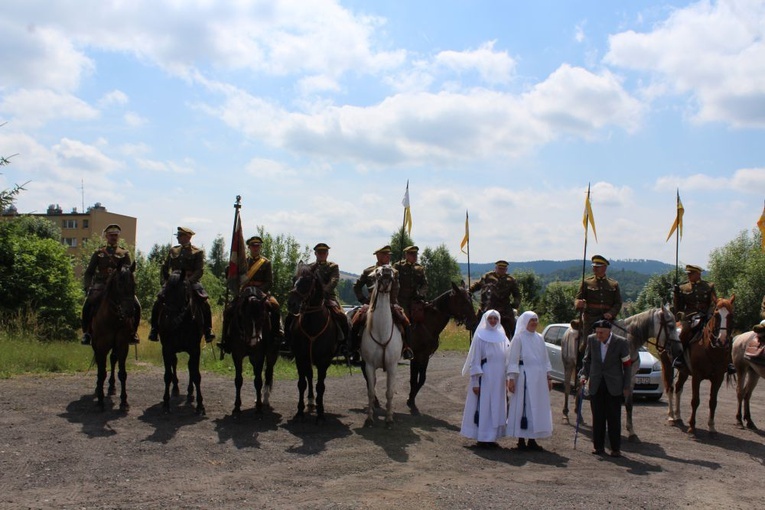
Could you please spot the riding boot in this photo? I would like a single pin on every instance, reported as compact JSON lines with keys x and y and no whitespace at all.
{"x":207,"y":316}
{"x":136,"y":320}
{"x":153,"y":336}
{"x":679,"y":362}
{"x":86,"y":322}
{"x":406,"y":351}
{"x":276,"y":324}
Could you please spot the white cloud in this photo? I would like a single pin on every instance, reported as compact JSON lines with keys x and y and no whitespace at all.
{"x":493,"y":67}
{"x":712,"y":51}
{"x":185,"y":167}
{"x":115,"y":97}
{"x":132,"y":119}
{"x":78,"y":155}
{"x":33,"y":108}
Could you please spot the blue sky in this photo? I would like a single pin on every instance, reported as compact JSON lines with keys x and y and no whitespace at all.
{"x":317,"y":113}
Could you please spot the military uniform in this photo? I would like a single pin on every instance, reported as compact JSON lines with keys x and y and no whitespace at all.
{"x":263,"y":277}
{"x":412,"y":284}
{"x":329,"y":273}
{"x":189,"y":260}
{"x":366,"y":280}
{"x":695,"y":298}
{"x":103,"y":262}
{"x":601,"y":295}
{"x":505,"y":296}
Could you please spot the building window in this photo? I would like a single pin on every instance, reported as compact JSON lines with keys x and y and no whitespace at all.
{"x":85,"y":224}
{"x":69,"y":224}
{"x":70,"y":242}
{"x":84,"y":240}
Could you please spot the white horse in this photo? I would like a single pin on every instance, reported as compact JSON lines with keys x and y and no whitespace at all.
{"x":571,"y":350}
{"x":748,"y":373}
{"x":381,"y":343}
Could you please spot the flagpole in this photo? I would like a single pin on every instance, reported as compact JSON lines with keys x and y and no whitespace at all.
{"x":403,"y":222}
{"x":586,"y":230}
{"x":677,"y":239}
{"x":237,"y":206}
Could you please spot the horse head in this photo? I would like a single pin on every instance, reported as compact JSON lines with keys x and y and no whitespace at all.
{"x":461,"y":305}
{"x":719,"y":329}
{"x":307,"y":289}
{"x":252,"y":314}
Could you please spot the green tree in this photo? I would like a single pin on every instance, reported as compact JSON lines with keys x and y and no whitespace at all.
{"x":657,"y":292}
{"x":531,"y":289}
{"x":146,"y":282}
{"x":557,"y":302}
{"x":158,"y":253}
{"x":398,"y":241}
{"x":441,"y":269}
{"x":739,"y":268}
{"x":217,"y":262}
{"x":284,"y":252}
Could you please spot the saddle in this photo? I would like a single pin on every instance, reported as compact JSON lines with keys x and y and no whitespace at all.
{"x":755,"y":351}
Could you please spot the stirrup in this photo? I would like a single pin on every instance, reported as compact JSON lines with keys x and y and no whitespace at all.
{"x":85,"y":339}
{"x":134,"y":340}
{"x":731,"y":369}
{"x":407,"y":353}
{"x":678,"y":362}
{"x":153,"y":336}
{"x":209,"y":336}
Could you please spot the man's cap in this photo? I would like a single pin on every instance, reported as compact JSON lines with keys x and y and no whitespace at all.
{"x":602,"y":323}
{"x":321,"y":246}
{"x":690,"y":268}
{"x":759,"y":328}
{"x":501,"y":263}
{"x":384,"y":249}
{"x":599,"y":261}
{"x":112,"y":229}
{"x":254,"y":240}
{"x":185,"y":230}
{"x":411,"y":249}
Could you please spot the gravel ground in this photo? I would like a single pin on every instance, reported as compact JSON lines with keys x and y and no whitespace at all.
{"x":58,"y":451}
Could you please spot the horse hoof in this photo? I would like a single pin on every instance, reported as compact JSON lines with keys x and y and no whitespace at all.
{"x":633,"y":438}
{"x":201,"y":411}
{"x":369,"y":423}
{"x":125,"y":407}
{"x":111,"y":392}
{"x":388,"y":425}
{"x":311,"y":408}
{"x":176,"y":392}
{"x":751,"y":426}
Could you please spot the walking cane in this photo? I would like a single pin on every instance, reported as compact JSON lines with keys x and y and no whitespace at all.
{"x":579,"y":417}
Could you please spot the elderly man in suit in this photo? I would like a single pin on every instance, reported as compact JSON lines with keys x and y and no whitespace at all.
{"x":607,"y":371}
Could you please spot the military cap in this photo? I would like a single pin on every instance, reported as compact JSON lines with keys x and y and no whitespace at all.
{"x":690,"y":268}
{"x":185,"y":230}
{"x":412,"y":248}
{"x":599,"y":261}
{"x":602,"y":323}
{"x":254,"y":240}
{"x":321,"y":246}
{"x":501,"y":263}
{"x":384,"y":249}
{"x":113,"y":228}
{"x":759,"y":328}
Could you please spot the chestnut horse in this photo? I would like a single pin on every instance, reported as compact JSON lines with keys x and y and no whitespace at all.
{"x":706,"y":358}
{"x":112,"y":330}
{"x":748,"y":373}
{"x":249,"y":335}
{"x":181,"y":324}
{"x":452,"y":304}
{"x":314,"y":337}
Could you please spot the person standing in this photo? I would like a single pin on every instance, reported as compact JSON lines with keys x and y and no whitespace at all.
{"x":606,"y":371}
{"x":485,"y":415}
{"x":529,"y":383}
{"x":500,"y":292}
{"x":599,"y":297}
{"x":103,"y":262}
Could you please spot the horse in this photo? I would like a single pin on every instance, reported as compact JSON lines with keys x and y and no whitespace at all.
{"x":249,"y":334}
{"x":452,"y":304}
{"x":490,"y":300}
{"x":180,"y":326}
{"x":314,"y":337}
{"x":705,"y":358}
{"x":748,"y":373}
{"x":381,"y":343}
{"x":657,"y":324}
{"x":572,"y":349}
{"x":113,"y":328}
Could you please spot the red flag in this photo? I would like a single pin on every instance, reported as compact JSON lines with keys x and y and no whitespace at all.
{"x":237,"y":262}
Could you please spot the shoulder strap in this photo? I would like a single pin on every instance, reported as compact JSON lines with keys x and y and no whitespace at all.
{"x":254,"y":269}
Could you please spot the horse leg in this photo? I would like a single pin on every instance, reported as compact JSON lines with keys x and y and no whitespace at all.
{"x":122,"y":374}
{"x":695,"y":400}
{"x":370,"y":374}
{"x":751,"y":383}
{"x":667,"y":377}
{"x":321,"y":374}
{"x":195,"y":377}
{"x":713,"y":404}
{"x":238,"y":380}
{"x":366,"y":381}
{"x":389,"y":392}
{"x":682,"y":376}
{"x":631,"y":436}
{"x":257,"y":367}
{"x":417,"y":375}
{"x":100,"y":378}
{"x":566,"y":391}
{"x":169,"y":359}
{"x":112,"y":386}
{"x":302,"y":383}
{"x":176,"y":389}
{"x":271,"y":357}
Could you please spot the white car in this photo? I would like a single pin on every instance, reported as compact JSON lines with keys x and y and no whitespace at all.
{"x":648,"y":381}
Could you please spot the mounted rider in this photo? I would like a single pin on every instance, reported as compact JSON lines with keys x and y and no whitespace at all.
{"x":399,"y":316}
{"x":103,"y":262}
{"x":259,"y":275}
{"x":693,"y":303}
{"x":190,"y":260}
{"x":505,"y":295}
{"x":599,"y":297}
{"x":329,"y":274}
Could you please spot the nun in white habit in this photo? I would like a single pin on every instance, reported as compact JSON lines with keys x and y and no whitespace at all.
{"x":485,"y":415}
{"x":530,"y":416}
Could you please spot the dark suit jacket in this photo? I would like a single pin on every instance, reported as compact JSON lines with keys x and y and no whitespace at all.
{"x":610,"y":370}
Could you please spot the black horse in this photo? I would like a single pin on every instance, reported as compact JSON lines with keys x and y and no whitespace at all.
{"x":314,"y":337}
{"x":250,"y":335}
{"x":181,"y":325}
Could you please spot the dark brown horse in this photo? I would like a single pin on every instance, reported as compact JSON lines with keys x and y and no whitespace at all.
{"x":113,"y":327}
{"x":181,"y":324}
{"x":249,"y":335}
{"x":452,"y":304}
{"x":706,"y":358}
{"x":314,"y":335}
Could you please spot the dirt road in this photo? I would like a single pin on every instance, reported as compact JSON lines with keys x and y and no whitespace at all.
{"x":58,"y":451}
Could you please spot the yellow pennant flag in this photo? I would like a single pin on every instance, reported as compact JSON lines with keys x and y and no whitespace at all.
{"x":678,"y":224}
{"x":588,"y":217}
{"x":761,"y":225}
{"x":466,"y":240}
{"x":407,"y":211}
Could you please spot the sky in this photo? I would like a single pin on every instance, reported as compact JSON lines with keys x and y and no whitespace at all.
{"x":318,"y":114}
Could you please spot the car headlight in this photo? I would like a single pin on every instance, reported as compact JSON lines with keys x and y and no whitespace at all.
{"x":656,"y":366}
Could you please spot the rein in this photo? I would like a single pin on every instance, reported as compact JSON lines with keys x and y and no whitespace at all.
{"x":663,"y":327}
